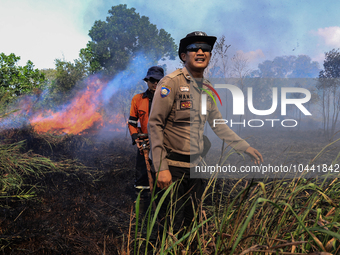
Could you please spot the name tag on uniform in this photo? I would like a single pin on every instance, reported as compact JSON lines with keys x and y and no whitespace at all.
{"x":186,"y":104}
{"x":184,"y":89}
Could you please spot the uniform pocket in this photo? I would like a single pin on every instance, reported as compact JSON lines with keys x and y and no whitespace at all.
{"x":182,"y":116}
{"x":182,"y":111}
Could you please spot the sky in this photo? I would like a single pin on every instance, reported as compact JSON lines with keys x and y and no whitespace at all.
{"x":45,"y":30}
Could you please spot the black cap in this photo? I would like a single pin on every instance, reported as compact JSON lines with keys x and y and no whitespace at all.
{"x":196,"y":36}
{"x":155,"y":72}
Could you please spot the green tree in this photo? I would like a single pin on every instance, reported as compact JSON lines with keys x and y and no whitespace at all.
{"x":68,"y":74}
{"x":18,"y":80}
{"x":284,"y":71}
{"x":280,"y":67}
{"x":50,"y":74}
{"x":329,"y":90}
{"x":121,"y":37}
{"x":239,"y":70}
{"x":301,"y":66}
{"x":63,"y":79}
{"x":304,"y":67}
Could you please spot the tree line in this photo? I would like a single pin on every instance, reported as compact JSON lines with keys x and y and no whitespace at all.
{"x":125,"y":34}
{"x":114,"y":43}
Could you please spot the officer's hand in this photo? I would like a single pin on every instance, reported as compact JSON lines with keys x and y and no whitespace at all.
{"x":164,"y":179}
{"x":255,"y":155}
{"x":139,"y":144}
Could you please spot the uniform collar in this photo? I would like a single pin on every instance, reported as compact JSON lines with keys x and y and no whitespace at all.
{"x":188,"y":76}
{"x":148,"y":94}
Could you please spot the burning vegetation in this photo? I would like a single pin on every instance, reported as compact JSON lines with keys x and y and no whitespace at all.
{"x":67,"y":187}
{"x":85,"y":112}
{"x":73,"y":193}
{"x":56,"y":164}
{"x":67,"y":171}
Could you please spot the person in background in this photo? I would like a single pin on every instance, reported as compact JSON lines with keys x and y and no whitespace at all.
{"x":139,"y":111}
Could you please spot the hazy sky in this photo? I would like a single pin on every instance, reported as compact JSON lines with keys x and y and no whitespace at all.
{"x":43,"y":30}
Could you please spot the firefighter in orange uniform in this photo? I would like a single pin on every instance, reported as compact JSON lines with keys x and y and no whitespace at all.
{"x":140,"y":109}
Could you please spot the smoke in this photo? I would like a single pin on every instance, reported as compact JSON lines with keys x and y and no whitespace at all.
{"x":127,"y":79}
{"x":101,"y":104}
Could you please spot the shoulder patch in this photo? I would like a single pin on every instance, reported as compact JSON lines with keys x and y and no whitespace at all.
{"x":165,"y":90}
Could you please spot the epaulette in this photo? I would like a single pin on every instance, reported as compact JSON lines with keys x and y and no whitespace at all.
{"x":175,"y":73}
{"x":206,"y":81}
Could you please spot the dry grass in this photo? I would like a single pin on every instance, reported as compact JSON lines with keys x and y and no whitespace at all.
{"x":296,"y":216}
{"x":267,"y":216}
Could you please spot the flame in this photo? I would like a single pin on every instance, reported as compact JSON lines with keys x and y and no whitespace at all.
{"x":82,"y":114}
{"x":117,"y":123}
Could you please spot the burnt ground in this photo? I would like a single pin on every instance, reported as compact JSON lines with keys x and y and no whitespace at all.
{"x":80,"y":210}
{"x":87,"y":210}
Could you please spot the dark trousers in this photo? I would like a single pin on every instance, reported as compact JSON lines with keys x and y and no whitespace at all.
{"x":183,"y":200}
{"x":141,"y":174}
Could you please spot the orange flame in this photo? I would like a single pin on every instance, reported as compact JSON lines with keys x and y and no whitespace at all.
{"x":83,"y":113}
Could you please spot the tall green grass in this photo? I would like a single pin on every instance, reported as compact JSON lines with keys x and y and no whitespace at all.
{"x":278,"y":216}
{"x":15,"y":166}
{"x":268,"y":216}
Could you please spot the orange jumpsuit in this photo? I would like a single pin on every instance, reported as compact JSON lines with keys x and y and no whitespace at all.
{"x":140,"y":108}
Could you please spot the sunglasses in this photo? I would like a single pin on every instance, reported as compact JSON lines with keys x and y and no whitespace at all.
{"x":196,"y":46}
{"x":153,"y":80}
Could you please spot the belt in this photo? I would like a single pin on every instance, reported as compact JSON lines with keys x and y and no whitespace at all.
{"x":183,"y":158}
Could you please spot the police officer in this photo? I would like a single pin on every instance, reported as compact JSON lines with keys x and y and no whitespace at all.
{"x":176,"y":124}
{"x":139,"y":111}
